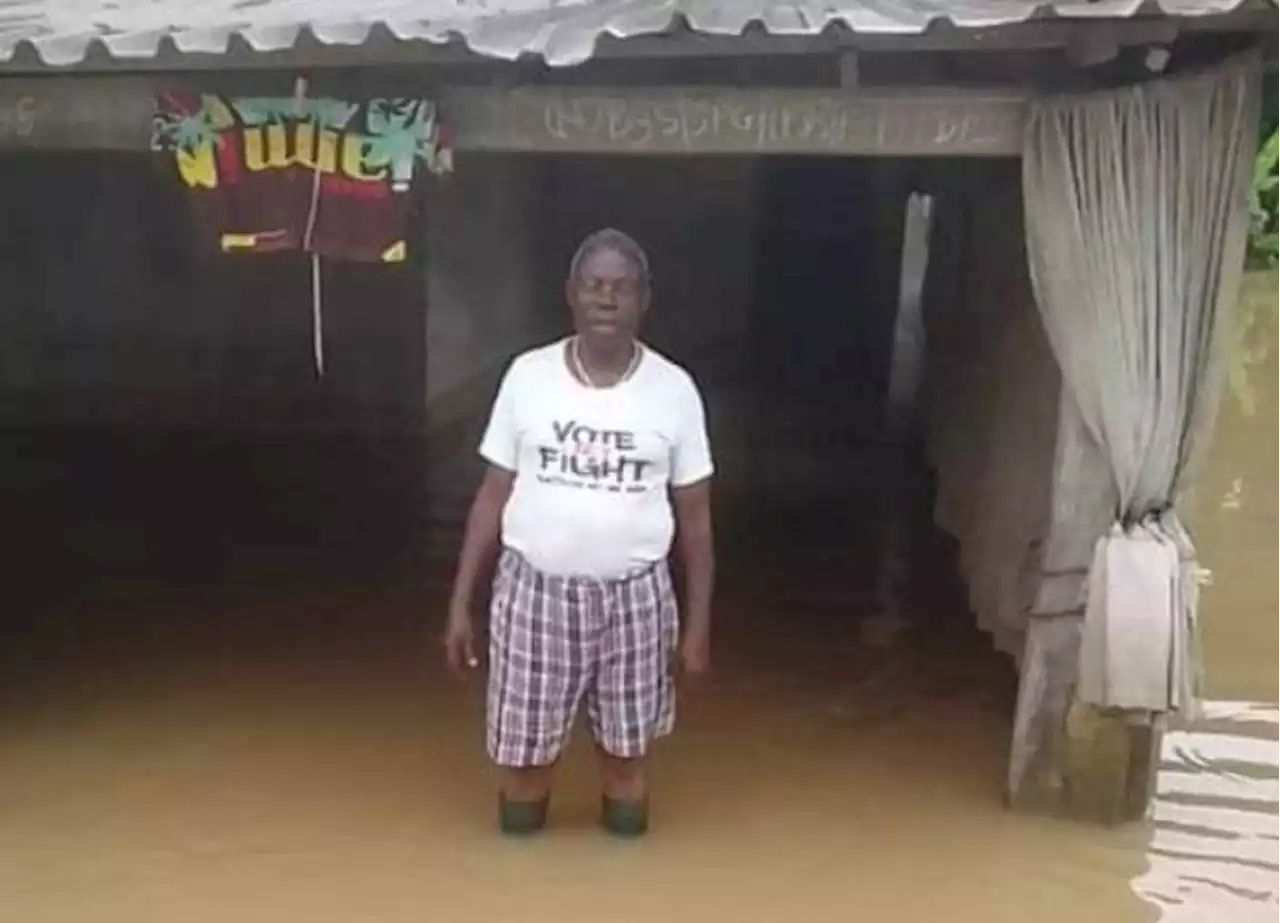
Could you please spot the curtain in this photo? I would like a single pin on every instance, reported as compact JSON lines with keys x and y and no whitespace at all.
{"x":1136,"y":213}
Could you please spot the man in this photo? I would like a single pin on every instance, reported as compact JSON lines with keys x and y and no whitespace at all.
{"x":598,"y":458}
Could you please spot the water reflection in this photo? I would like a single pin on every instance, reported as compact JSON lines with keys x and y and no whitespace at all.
{"x":1214,"y":854}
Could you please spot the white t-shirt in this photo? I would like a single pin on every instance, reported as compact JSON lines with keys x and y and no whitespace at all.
{"x":594,"y":466}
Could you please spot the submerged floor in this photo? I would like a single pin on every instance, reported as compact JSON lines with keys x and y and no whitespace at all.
{"x":219,"y":746}
{"x":253,"y":769}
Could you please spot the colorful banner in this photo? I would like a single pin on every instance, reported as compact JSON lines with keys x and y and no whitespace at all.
{"x":323,"y":176}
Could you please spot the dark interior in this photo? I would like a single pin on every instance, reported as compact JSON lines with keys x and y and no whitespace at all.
{"x":163,"y":419}
{"x":165,"y":430}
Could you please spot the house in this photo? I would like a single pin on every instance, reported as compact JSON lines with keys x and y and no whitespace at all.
{"x":1011,"y":230}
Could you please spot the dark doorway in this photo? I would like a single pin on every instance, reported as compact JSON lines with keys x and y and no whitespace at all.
{"x":164,"y":424}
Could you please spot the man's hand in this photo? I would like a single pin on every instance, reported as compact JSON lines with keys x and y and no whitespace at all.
{"x":695,"y":654}
{"x":693,"y":526}
{"x":479,"y":543}
{"x":460,"y":642}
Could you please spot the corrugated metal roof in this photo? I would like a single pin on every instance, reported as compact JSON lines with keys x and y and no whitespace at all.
{"x":564,"y":32}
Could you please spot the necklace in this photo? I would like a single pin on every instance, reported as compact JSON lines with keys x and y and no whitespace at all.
{"x":580,"y":367}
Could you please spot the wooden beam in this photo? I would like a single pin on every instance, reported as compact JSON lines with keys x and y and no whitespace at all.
{"x":709,"y":120}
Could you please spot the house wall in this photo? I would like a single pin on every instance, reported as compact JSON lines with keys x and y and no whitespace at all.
{"x":484,"y":303}
{"x":696,"y":219}
{"x":993,"y":393}
{"x":500,"y":234}
{"x":1020,"y":484}
{"x":118,"y":314}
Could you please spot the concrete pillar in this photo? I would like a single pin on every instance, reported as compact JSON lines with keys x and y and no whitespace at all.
{"x":1065,"y":757}
{"x":902,"y":410}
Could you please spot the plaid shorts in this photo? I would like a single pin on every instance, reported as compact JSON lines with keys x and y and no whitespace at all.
{"x":555,"y":642}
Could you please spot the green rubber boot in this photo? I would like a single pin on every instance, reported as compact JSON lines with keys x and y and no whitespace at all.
{"x":625,"y":819}
{"x":521,"y":818}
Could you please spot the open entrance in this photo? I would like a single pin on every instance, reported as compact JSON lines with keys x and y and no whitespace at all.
{"x":777,"y":284}
{"x":167,"y":429}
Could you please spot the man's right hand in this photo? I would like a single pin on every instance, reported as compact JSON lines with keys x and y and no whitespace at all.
{"x":460,"y":642}
{"x":480,"y":541}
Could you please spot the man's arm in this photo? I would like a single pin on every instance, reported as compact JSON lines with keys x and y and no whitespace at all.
{"x":691,"y":472}
{"x":479,"y":546}
{"x":499,"y":447}
{"x":697,"y":553}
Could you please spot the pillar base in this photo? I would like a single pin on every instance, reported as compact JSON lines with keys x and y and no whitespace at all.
{"x":1111,"y":761}
{"x":1100,"y":770}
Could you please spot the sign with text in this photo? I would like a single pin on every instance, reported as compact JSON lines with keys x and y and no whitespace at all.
{"x":737,"y":121}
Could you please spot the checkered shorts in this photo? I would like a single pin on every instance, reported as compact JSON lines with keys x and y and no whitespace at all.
{"x":555,"y":642}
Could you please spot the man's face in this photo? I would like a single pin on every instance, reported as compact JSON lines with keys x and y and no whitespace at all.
{"x":607,"y":297}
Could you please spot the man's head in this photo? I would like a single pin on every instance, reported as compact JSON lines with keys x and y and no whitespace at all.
{"x":608,"y":288}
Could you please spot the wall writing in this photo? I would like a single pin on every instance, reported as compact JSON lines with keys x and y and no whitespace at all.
{"x":116,"y":113}
{"x":74,"y":114}
{"x":738,"y":121}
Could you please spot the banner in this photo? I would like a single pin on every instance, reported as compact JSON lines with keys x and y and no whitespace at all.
{"x":322,"y":176}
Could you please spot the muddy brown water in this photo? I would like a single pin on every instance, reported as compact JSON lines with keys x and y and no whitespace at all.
{"x":283,"y":753}
{"x":299,"y":754}
{"x":257,"y":771}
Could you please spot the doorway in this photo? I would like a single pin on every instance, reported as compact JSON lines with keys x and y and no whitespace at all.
{"x":311,"y":722}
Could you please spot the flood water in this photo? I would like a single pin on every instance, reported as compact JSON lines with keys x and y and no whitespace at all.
{"x":245,"y":751}
{"x":208,"y":760}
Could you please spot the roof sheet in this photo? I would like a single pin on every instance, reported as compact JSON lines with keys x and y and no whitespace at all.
{"x":564,"y":32}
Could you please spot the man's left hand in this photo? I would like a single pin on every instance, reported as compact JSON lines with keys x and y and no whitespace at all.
{"x":695,"y":654}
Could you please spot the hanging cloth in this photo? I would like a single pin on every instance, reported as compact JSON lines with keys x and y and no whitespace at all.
{"x":328,"y":177}
{"x":1136,"y":208}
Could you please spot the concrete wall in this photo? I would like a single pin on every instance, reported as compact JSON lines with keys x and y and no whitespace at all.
{"x":696,"y":219}
{"x":1020,"y":485}
{"x":502,"y":230}
{"x":993,"y":394}
{"x":117,"y":313}
{"x":484,"y":303}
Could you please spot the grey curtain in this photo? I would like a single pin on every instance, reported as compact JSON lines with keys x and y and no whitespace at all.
{"x":1136,"y":212}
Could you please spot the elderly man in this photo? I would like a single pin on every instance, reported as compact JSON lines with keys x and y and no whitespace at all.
{"x":598,"y":458}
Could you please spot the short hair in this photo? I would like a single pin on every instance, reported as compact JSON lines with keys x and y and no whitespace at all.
{"x":617,"y":241}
